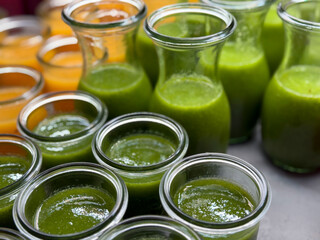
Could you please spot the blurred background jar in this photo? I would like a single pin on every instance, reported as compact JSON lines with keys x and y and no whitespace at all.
{"x":291,"y":107}
{"x":49,"y":12}
{"x":61,"y":61}
{"x":106,"y":31}
{"x":18,"y":86}
{"x":21,"y":38}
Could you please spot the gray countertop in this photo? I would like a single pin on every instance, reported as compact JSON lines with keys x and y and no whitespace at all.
{"x":294,"y":213}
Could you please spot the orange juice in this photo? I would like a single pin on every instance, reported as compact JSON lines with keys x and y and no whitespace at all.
{"x":64,"y":72}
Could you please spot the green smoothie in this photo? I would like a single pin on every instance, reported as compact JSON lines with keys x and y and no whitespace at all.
{"x":216,"y":201}
{"x":143,"y":149}
{"x":200,"y":105}
{"x":55,"y":152}
{"x":290,"y":118}
{"x":273,"y":38}
{"x":245,"y":75}
{"x":121,"y":87}
{"x":12,"y":169}
{"x":73,"y":210}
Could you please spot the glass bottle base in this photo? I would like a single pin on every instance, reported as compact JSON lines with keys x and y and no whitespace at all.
{"x":292,"y":169}
{"x":242,"y":139}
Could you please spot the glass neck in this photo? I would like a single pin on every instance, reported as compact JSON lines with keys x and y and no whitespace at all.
{"x":302,"y":33}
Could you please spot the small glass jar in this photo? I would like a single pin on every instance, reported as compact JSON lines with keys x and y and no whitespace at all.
{"x":18,"y":86}
{"x":76,"y":194}
{"x":61,"y":61}
{"x":20,"y":162}
{"x":221,"y":167}
{"x":142,"y":180}
{"x":106,"y":30}
{"x":21,"y":38}
{"x":291,"y":108}
{"x":49,"y":12}
{"x":63,"y":125}
{"x":150,"y":227}
{"x":9,"y":234}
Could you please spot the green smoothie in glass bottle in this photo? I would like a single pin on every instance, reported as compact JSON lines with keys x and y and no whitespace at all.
{"x":188,"y":89}
{"x":107,"y":31}
{"x":291,"y":107}
{"x":243,"y":68}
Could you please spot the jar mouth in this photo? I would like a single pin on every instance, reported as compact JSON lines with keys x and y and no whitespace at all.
{"x":35,"y":165}
{"x":75,"y":7}
{"x":220,"y":160}
{"x":140,"y":117}
{"x":55,"y":42}
{"x":235,"y":5}
{"x":90,"y":169}
{"x":45,"y":101}
{"x":11,"y":233}
{"x":290,"y":13}
{"x":46,"y":6}
{"x":184,"y":9}
{"x":150,"y":223}
{"x":27,"y":71}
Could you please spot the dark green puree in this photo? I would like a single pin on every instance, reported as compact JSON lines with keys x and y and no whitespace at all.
{"x":73,"y":210}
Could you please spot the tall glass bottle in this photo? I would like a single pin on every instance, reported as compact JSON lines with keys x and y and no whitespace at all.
{"x":106,"y":30}
{"x":291,"y":107}
{"x":188,"y":38}
{"x":243,"y":68}
{"x":145,"y":48}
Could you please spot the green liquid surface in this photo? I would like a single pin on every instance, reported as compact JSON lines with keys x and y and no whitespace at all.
{"x":140,"y":150}
{"x":121,"y":87}
{"x":214,"y":200}
{"x":73,"y":210}
{"x":290,"y":118}
{"x":200,"y":106}
{"x":245,"y":75}
{"x":12,"y":169}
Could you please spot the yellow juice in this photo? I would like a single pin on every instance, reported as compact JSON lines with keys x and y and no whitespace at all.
{"x":57,"y":25}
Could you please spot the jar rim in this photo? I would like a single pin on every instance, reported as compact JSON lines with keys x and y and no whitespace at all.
{"x":53,"y":43}
{"x":12,"y":232}
{"x":47,"y":98}
{"x":190,"y":42}
{"x":45,"y":6}
{"x":34,"y":167}
{"x":210,"y":227}
{"x":33,"y":73}
{"x":127,"y":22}
{"x":59,"y":171}
{"x":130,"y":118}
{"x":246,"y":5}
{"x":156,"y":221}
{"x":298,"y":22}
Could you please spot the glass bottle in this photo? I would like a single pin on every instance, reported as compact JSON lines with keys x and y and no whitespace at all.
{"x":145,"y":48}
{"x":243,"y":68}
{"x":222,"y":173}
{"x":188,"y":38}
{"x":106,"y":30}
{"x":70,"y":201}
{"x":273,"y":38}
{"x":291,"y":107}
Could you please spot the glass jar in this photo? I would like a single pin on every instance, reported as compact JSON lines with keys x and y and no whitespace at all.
{"x":243,"y":68}
{"x":188,"y":39}
{"x":63,"y":124}
{"x":145,"y":48}
{"x":235,"y":174}
{"x":106,"y":30}
{"x":49,"y":11}
{"x":18,"y":86}
{"x":150,"y":227}
{"x":9,"y":234}
{"x":291,"y":108}
{"x":70,"y":201}
{"x":61,"y":61}
{"x":20,"y":162}
{"x":21,"y":38}
{"x":140,"y":147}
{"x":273,"y":38}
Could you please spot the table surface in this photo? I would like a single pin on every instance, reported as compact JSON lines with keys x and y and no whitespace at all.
{"x":294,"y":213}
